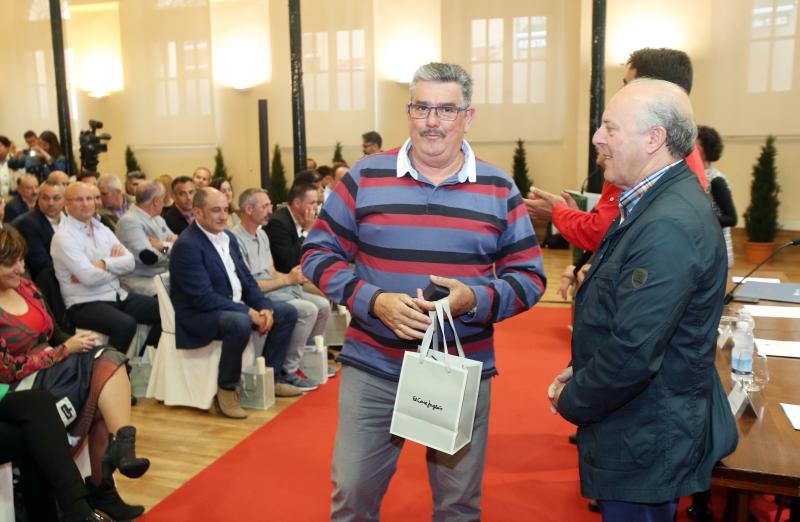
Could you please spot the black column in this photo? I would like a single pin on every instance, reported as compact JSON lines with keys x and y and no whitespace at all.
{"x":597,"y":87}
{"x":263,"y":143}
{"x":298,"y":104}
{"x":62,"y":99}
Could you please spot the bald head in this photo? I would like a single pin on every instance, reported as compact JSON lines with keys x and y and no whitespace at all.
{"x":58,"y":177}
{"x":666,"y":105}
{"x":81,"y":201}
{"x":646,"y":126}
{"x":211,"y":209}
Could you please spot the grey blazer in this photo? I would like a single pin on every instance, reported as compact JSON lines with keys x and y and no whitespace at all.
{"x":133,"y":229}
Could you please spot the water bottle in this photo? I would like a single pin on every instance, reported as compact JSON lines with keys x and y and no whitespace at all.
{"x":746,"y":317}
{"x":742,"y":354}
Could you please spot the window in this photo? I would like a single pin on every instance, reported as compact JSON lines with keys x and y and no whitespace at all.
{"x":771,"y":60}
{"x":487,"y":60}
{"x":316,"y":71}
{"x":38,"y":85}
{"x":183,"y":79}
{"x":529,"y":59}
{"x":350,"y":79}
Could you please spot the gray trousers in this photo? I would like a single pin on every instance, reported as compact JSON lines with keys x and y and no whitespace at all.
{"x":313,"y":314}
{"x":365,"y":455}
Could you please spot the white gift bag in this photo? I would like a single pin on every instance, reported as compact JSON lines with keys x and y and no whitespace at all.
{"x":257,"y":386}
{"x":438,"y":392}
{"x":314,"y":361}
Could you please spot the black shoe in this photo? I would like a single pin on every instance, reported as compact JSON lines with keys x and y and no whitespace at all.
{"x":106,"y":500}
{"x":573,"y":439}
{"x":700,"y":514}
{"x":121,"y":455}
{"x":595,"y":507}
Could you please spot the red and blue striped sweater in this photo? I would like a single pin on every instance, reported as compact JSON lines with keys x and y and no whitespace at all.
{"x":383,"y":231}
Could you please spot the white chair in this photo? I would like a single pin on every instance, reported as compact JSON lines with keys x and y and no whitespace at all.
{"x":186,"y":377}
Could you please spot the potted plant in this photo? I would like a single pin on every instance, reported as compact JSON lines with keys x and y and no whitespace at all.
{"x":220,"y":170}
{"x":277,"y":178}
{"x":761,"y":217}
{"x":521,"y":178}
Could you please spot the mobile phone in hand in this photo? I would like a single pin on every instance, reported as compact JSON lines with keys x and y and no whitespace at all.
{"x":434,"y":292}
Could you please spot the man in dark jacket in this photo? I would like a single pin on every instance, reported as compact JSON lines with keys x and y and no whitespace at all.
{"x":288,"y":226}
{"x":39,"y":224}
{"x":215,"y":297}
{"x":642,"y":388}
{"x":181,"y":214}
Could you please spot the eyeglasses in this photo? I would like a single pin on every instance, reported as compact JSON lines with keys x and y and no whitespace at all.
{"x":420,"y":111}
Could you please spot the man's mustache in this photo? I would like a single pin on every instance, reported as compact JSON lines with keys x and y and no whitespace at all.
{"x":433,"y":132}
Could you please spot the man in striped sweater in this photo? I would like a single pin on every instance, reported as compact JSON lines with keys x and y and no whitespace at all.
{"x":426,"y":211}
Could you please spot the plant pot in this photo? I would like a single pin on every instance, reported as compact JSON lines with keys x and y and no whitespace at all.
{"x":754,"y":252}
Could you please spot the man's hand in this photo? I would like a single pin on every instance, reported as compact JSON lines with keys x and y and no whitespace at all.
{"x":98,"y":264}
{"x":295,"y":276}
{"x":308,"y":219}
{"x":462,"y":298}
{"x":568,"y":283}
{"x":258,"y":320}
{"x":402,"y":315}
{"x":155,"y":243}
{"x":269,"y":320}
{"x":540,"y":204}
{"x":582,"y":273}
{"x":117,"y":250}
{"x":172,"y":238}
{"x":557,"y":386}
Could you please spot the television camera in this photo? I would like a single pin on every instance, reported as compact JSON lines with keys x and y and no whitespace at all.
{"x":92,"y":144}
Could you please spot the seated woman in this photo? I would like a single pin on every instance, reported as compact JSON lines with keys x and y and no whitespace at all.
{"x":90,"y":384}
{"x":224,"y":186}
{"x":32,"y":435}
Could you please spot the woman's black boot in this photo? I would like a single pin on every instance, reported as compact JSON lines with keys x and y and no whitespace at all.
{"x":106,"y":499}
{"x":121,"y":455}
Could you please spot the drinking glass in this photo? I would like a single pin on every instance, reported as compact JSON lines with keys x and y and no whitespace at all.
{"x":760,"y":373}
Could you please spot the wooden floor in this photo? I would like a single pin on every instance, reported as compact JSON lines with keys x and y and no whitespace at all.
{"x":181,"y":441}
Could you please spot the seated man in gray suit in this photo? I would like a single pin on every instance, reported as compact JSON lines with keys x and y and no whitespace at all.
{"x":145,"y":233}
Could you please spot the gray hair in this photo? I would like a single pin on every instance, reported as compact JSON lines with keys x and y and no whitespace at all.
{"x":110,"y":181}
{"x":444,"y":73}
{"x":248,"y":197}
{"x":147,"y":191}
{"x":675,"y":116}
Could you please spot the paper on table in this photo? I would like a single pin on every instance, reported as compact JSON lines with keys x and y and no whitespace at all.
{"x":778,"y":348}
{"x":792,"y":312}
{"x":793,"y":412}
{"x":737,"y":279}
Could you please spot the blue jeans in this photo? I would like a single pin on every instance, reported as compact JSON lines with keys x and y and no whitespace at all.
{"x":365,"y":454}
{"x":234,"y":330}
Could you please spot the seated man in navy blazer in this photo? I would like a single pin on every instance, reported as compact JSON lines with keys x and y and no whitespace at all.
{"x":215,"y":297}
{"x":39,"y":224}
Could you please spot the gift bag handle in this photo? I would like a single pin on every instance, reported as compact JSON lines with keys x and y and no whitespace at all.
{"x":430,"y":337}
{"x":442,"y":310}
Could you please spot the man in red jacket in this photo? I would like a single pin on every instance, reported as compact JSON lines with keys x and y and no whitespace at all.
{"x":583,"y":229}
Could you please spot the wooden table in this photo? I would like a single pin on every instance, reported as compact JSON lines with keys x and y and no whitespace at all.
{"x":767,"y":459}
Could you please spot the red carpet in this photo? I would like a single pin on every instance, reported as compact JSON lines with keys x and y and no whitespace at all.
{"x":282,"y":471}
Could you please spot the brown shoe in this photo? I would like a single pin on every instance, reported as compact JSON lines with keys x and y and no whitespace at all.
{"x":228,"y":403}
{"x":283,"y":389}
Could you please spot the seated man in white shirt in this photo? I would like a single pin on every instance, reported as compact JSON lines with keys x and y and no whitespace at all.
{"x":313,"y":311}
{"x":88,"y":261}
{"x":146,"y":235}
